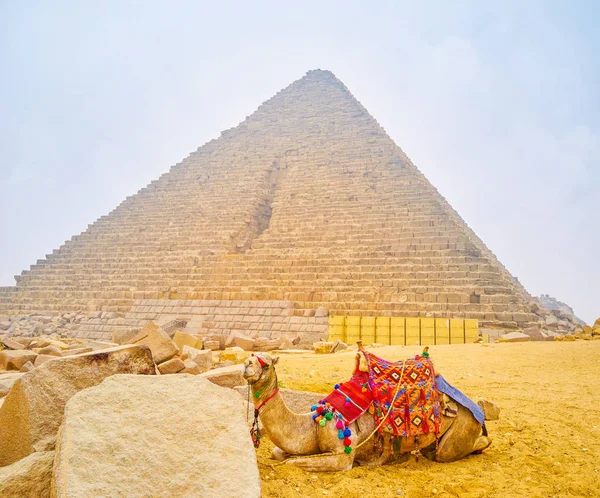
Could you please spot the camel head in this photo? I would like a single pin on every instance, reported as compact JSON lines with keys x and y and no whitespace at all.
{"x":259,"y":366}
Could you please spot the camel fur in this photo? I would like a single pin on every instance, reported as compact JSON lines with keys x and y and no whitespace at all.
{"x":302,"y":442}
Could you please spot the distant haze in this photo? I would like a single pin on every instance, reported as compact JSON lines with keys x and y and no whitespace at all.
{"x":497,"y":103}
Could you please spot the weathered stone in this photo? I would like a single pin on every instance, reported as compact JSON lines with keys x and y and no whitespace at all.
{"x":171,"y":366}
{"x":234,"y":354}
{"x":587,"y":329}
{"x":15,"y":359}
{"x":182,"y":339}
{"x":535,"y":333}
{"x":161,"y":345}
{"x":43,"y":358}
{"x":77,"y":351}
{"x":133,"y":433}
{"x":190,"y":367}
{"x":340,"y":346}
{"x":212,"y":345}
{"x":30,"y":477}
{"x":231,"y":376}
{"x":12,"y":344}
{"x":28,"y":367}
{"x":322,"y":311}
{"x":123,"y":336}
{"x":51,"y":350}
{"x":551,"y":321}
{"x":203,"y":358}
{"x":515,"y":337}
{"x":322,"y":347}
{"x":244,"y":342}
{"x":5,"y":324}
{"x":7,"y":380}
{"x":491,"y":410}
{"x":33,"y":408}
{"x":568,"y":337}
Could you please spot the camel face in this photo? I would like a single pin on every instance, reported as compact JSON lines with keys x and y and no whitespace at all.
{"x":252,"y":369}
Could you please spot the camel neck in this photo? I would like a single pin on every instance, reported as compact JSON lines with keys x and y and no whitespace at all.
{"x":264,"y":389}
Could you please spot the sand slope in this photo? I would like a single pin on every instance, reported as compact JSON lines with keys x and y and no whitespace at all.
{"x":546,"y":444}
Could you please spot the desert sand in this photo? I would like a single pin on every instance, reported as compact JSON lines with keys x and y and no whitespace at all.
{"x":545,"y":444}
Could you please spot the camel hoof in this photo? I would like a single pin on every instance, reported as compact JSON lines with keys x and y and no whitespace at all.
{"x":278,"y":454}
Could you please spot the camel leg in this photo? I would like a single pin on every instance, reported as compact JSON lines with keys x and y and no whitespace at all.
{"x":279,"y":455}
{"x":463,"y":438}
{"x":323,"y":462}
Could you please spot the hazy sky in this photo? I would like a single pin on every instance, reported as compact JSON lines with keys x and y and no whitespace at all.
{"x":497,"y":103}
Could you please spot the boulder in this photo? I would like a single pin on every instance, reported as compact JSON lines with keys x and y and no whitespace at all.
{"x":340,"y":346}
{"x":171,"y":366}
{"x":491,"y":410}
{"x":212,"y":345}
{"x":190,"y":367}
{"x":322,"y":347}
{"x":587,"y":329}
{"x":7,"y":381}
{"x":182,"y":339}
{"x":5,"y":324}
{"x":235,"y":354}
{"x":568,"y":337}
{"x":123,"y":336}
{"x":29,"y":477}
{"x":203,"y":358}
{"x":596,"y":330}
{"x":12,"y":344}
{"x":137,"y":436}
{"x":15,"y":359}
{"x":28,"y":367}
{"x":535,"y":333}
{"x":515,"y":337}
{"x":231,"y":377}
{"x":244,"y":342}
{"x":322,"y":311}
{"x":43,"y":358}
{"x":51,"y":350}
{"x":551,"y":321}
{"x":34,"y":407}
{"x":161,"y":345}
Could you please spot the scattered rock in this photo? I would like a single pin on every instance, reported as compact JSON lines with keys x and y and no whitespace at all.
{"x":29,"y":477}
{"x":244,"y":342}
{"x":161,"y":345}
{"x":43,"y":358}
{"x":212,"y":345}
{"x":568,"y":337}
{"x":51,"y":350}
{"x":5,"y":325}
{"x":322,"y":347}
{"x":203,"y":358}
{"x":76,"y":351}
{"x":171,"y":366}
{"x":231,"y":377}
{"x":124,"y":336}
{"x":12,"y":344}
{"x":34,"y":407}
{"x":322,"y":311}
{"x":28,"y":367}
{"x":339,"y":346}
{"x":7,"y":381}
{"x":235,"y":354}
{"x":491,"y":410}
{"x":182,"y":339}
{"x":133,"y":433}
{"x":191,"y":367}
{"x":15,"y":359}
{"x":514,"y":337}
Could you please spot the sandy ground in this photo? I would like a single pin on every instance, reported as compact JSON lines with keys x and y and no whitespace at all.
{"x":546,"y":443}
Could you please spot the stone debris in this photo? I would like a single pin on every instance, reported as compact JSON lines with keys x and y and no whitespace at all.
{"x":234,"y":354}
{"x":34,"y":406}
{"x":322,"y":347}
{"x":15,"y":359}
{"x":231,"y":376}
{"x":161,"y":345}
{"x":514,"y":337}
{"x":171,"y":366}
{"x":139,"y":420}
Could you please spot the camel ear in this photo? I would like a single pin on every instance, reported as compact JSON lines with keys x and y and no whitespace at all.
{"x":275,"y":360}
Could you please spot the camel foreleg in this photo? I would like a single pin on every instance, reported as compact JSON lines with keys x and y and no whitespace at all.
{"x":323,"y":462}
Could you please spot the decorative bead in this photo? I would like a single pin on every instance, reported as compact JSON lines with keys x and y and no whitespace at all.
{"x":315,"y":416}
{"x":319,"y":418}
{"x":319,"y":410}
{"x":329,"y":416}
{"x":341,"y":434}
{"x":347,"y":433}
{"x":339,"y":424}
{"x":322,"y":422}
{"x":337,"y":386}
{"x":347,"y":441}
{"x":313,"y":408}
{"x":347,"y":449}
{"x":347,"y":400}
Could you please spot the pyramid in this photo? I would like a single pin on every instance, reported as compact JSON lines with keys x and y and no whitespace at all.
{"x":306,"y":204}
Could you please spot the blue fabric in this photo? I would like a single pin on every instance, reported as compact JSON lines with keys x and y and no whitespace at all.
{"x":460,"y":398}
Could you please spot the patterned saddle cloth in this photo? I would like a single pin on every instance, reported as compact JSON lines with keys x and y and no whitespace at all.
{"x":416,"y":407}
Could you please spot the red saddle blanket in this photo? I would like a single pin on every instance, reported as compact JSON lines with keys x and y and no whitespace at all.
{"x":351,"y":399}
{"x":416,"y":407}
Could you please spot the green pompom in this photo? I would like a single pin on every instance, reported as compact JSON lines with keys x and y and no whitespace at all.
{"x":322,"y":422}
{"x":329,"y":416}
{"x":347,"y":449}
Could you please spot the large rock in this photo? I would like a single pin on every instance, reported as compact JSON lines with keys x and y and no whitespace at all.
{"x":12,"y":344}
{"x":29,"y":477}
{"x":138,"y":436}
{"x":202,"y":358}
{"x":535,"y":333}
{"x":161,"y":345}
{"x":231,"y":376}
{"x":15,"y":359}
{"x":515,"y":337}
{"x":182,"y":339}
{"x":491,"y":410}
{"x":235,"y":354}
{"x":171,"y":366}
{"x":122,"y":336}
{"x":322,"y":347}
{"x":34,"y":407}
{"x":7,"y":381}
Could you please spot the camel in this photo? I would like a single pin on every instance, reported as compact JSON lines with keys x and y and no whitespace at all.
{"x":302,"y":442}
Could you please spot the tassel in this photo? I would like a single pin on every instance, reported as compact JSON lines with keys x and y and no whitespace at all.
{"x":347,"y":432}
{"x":339,"y":424}
{"x":425,"y":426}
{"x":329,"y":415}
{"x":347,"y":449}
{"x":341,"y":434}
{"x":347,"y":441}
{"x":322,"y":422}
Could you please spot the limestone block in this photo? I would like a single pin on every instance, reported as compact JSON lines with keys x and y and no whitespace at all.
{"x":161,"y":345}
{"x":123,"y":336}
{"x":514,"y":337}
{"x":244,"y":342}
{"x":15,"y":359}
{"x":191,"y":367}
{"x":43,"y":358}
{"x":11,"y":343}
{"x":143,"y":421}
{"x":34,"y":406}
{"x":234,"y":354}
{"x":322,"y":347}
{"x":212,"y":345}
{"x":535,"y":333}
{"x":29,"y":477}
{"x":182,"y":339}
{"x":171,"y":366}
{"x":51,"y":350}
{"x":203,"y":358}
{"x":28,"y":367}
{"x":231,"y":376}
{"x":7,"y":380}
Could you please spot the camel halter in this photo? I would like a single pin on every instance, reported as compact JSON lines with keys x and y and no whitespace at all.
{"x":255,"y":433}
